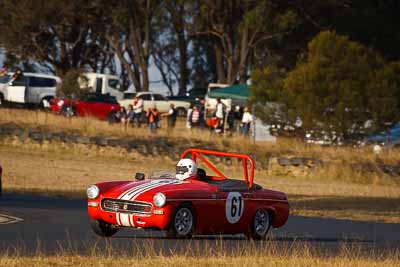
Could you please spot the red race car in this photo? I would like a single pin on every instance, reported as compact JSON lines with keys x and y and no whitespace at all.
{"x":101,"y":106}
{"x":189,"y":202}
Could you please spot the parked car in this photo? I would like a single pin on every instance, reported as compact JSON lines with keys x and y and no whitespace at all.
{"x":201,"y":204}
{"x":193,"y":96}
{"x":28,"y":89}
{"x":101,"y":106}
{"x":162,"y":103}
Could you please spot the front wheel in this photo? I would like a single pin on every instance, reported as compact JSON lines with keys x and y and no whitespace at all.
{"x":103,"y":229}
{"x":183,"y":222}
{"x":260,"y":225}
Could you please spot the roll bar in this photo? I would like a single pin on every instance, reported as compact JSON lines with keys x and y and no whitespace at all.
{"x":198,"y":153}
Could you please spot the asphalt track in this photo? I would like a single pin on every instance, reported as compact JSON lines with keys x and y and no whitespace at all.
{"x":51,"y":225}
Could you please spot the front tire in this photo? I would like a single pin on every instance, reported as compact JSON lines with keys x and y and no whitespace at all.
{"x":260,"y":225}
{"x":103,"y":229}
{"x":183,"y":222}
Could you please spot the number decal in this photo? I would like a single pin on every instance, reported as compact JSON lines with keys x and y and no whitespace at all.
{"x":234,"y":207}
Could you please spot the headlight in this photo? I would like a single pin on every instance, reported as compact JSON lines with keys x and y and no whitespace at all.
{"x":159,"y":199}
{"x":93,"y":191}
{"x":60,"y":103}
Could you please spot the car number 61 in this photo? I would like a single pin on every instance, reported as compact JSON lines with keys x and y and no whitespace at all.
{"x":234,"y":207}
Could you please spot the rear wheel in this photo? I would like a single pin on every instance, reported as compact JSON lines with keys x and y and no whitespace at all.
{"x":260,"y":225}
{"x":102,"y":228}
{"x":182,"y":223}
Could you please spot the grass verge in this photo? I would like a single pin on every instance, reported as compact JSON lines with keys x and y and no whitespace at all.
{"x":295,"y":254}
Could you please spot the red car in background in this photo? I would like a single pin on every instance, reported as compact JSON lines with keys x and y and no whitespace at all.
{"x":101,"y":106}
{"x":204,"y":204}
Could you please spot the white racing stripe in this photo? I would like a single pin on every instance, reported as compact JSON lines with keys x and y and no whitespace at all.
{"x":132,"y":190}
{"x":133,"y":193}
{"x":156,"y":185}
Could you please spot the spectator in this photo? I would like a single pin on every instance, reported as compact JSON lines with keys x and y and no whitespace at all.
{"x":195,"y":117}
{"x":16,"y":76}
{"x":238,"y":118}
{"x":247,"y":119}
{"x":153,"y":116}
{"x":171,"y":118}
{"x":189,"y":112}
{"x":138,"y":106}
{"x":203,"y":114}
{"x":3,"y":71}
{"x":231,"y":120}
{"x":120,"y":115}
{"x":130,"y":115}
{"x":220,"y":114}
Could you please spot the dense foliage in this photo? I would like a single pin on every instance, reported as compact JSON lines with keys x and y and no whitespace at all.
{"x":338,"y":86}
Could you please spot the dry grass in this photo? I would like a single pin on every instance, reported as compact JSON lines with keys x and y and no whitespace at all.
{"x":176,"y":261}
{"x":269,"y":253}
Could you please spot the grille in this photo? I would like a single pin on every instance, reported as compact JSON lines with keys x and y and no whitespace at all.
{"x":122,"y":206}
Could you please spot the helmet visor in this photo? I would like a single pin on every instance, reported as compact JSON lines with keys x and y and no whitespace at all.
{"x":181,"y":169}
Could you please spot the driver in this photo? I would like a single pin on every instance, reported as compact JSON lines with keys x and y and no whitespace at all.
{"x":186,"y":168}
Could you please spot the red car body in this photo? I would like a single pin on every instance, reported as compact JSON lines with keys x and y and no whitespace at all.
{"x":93,"y":105}
{"x":218,"y":204}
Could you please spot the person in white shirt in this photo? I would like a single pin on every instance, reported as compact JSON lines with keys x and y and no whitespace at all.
{"x":247,"y":119}
{"x":219,"y":114}
{"x":138,"y":106}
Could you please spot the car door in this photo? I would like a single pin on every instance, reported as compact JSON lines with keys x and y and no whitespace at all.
{"x":88,"y":106}
{"x":233,"y":211}
{"x":16,"y":90}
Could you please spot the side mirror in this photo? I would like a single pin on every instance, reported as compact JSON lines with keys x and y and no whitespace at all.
{"x":139,"y":176}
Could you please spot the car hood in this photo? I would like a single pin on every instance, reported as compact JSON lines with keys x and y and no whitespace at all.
{"x":145,"y":190}
{"x":137,"y":190}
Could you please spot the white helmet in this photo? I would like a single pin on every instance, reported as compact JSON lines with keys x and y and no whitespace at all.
{"x":185,"y":169}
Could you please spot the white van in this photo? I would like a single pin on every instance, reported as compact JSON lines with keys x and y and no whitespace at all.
{"x":103,"y":84}
{"x":30,"y":88}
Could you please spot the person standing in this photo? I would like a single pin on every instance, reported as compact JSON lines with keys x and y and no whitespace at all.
{"x":247,"y":119}
{"x":195,"y":117}
{"x":17,"y":76}
{"x":138,"y":107}
{"x":153,"y":116}
{"x":189,"y":113}
{"x":130,"y":115}
{"x":171,"y":118}
{"x":219,"y":114}
{"x":3,"y":71}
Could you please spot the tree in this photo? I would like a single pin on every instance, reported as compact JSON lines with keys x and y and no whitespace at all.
{"x":340,"y":85}
{"x":171,"y":44}
{"x":129,"y":30}
{"x":236,"y":28}
{"x":60,"y":34}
